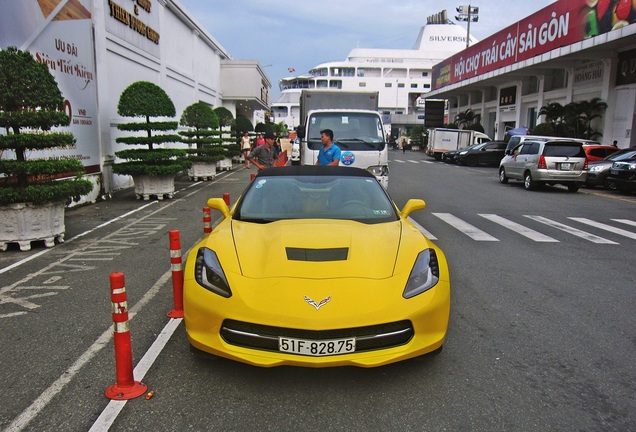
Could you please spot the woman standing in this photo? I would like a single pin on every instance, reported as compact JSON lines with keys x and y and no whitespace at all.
{"x":246,"y":146}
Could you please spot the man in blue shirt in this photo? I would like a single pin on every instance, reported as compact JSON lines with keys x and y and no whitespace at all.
{"x":329,"y":153}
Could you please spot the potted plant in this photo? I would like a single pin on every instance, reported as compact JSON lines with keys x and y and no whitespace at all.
{"x":153,"y":169}
{"x":33,"y":192}
{"x":204,"y":135}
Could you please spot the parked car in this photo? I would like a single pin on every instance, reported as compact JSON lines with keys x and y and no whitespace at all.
{"x":545,"y":162}
{"x":515,"y":140}
{"x":598,"y":170}
{"x":488,"y":153}
{"x":623,"y":175}
{"x":596,"y":152}
{"x":451,"y":155}
{"x":316,"y":266}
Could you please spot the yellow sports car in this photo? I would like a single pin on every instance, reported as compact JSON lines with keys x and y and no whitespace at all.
{"x":316,"y":266}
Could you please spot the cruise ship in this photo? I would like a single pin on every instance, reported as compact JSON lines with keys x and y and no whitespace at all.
{"x":400,"y":76}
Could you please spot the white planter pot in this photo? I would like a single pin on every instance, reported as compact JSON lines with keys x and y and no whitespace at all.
{"x":202,"y":171}
{"x":224,"y":164}
{"x":147,"y":186}
{"x":23,"y":223}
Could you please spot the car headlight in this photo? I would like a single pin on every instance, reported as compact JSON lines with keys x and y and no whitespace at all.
{"x":597,"y":168}
{"x":209,"y":274}
{"x":424,"y":275}
{"x":463,"y":153}
{"x":379,"y":170}
{"x":632,"y":166}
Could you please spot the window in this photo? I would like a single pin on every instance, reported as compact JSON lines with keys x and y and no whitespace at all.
{"x":427,"y":86}
{"x":413,"y":85}
{"x":388,"y":84}
{"x":362,"y":84}
{"x":400,"y":85}
{"x":335,"y":84}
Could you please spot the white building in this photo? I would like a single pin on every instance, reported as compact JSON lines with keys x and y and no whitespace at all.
{"x":97,"y":48}
{"x":569,"y":51}
{"x":401,"y":76}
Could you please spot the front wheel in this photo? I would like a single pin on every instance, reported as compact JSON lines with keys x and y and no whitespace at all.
{"x":502,"y":176}
{"x":573,"y":187}
{"x":471,"y":161}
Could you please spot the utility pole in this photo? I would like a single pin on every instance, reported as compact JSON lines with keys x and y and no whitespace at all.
{"x":467,"y":13}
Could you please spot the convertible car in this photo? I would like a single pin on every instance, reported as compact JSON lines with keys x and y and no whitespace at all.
{"x":316,"y":267}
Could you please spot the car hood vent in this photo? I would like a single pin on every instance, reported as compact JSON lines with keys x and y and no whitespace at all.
{"x":316,"y":248}
{"x":317,"y":255}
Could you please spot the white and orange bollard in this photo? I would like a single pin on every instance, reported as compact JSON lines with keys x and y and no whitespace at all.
{"x":252,"y":177}
{"x":176,"y":265}
{"x":207,"y":220}
{"x":126,"y":387}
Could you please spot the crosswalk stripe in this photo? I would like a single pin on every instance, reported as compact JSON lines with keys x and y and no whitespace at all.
{"x":412,"y":161}
{"x":571,"y":230}
{"x":471,"y":231}
{"x":606,"y":227}
{"x":519,"y":229}
{"x":422,"y":229}
{"x":625,"y":221}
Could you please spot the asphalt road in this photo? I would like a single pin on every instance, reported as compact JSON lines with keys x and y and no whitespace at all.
{"x":542,"y":332}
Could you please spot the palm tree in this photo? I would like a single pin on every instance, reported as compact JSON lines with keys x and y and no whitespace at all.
{"x":587,"y":112}
{"x":554,"y":114}
{"x":465,"y":119}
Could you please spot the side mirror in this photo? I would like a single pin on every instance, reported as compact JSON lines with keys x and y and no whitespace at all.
{"x":411,"y":206}
{"x":300,"y":131}
{"x":219,"y":204}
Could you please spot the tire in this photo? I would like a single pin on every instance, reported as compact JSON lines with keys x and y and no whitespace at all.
{"x":528,"y":183}
{"x":471,"y":161}
{"x":502,"y":176}
{"x":573,"y":187}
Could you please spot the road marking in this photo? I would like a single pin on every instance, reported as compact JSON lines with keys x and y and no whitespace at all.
{"x":465,"y":227}
{"x":422,"y":229}
{"x":47,"y":395}
{"x":114,"y":407}
{"x":571,"y":230}
{"x":605,"y":227}
{"x":519,"y":229}
{"x":625,"y":221}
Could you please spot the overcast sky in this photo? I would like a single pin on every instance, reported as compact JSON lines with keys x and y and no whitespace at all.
{"x":301,"y":34}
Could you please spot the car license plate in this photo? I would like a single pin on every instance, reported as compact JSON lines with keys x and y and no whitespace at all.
{"x":613,"y":172}
{"x":317,"y":348}
{"x":566,"y":166}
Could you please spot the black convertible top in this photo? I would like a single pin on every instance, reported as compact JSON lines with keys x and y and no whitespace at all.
{"x":313,"y":170}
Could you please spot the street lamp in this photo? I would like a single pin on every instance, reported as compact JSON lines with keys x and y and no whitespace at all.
{"x":467,"y":13}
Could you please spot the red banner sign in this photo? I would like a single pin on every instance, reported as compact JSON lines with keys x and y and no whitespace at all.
{"x":562,"y":23}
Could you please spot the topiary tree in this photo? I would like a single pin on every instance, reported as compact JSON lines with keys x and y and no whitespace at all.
{"x":145,"y":99}
{"x":30,"y":105}
{"x":153,"y":169}
{"x":225,"y":116}
{"x":204,"y":133}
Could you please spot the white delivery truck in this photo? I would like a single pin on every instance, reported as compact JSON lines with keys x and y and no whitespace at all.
{"x":357,"y":128}
{"x":441,"y":140}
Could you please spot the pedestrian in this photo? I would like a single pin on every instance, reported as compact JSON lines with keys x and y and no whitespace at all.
{"x":403,"y":145}
{"x":329,"y":153}
{"x":246,"y":147}
{"x":263,"y":156}
{"x":615,"y":143}
{"x":260,"y":140}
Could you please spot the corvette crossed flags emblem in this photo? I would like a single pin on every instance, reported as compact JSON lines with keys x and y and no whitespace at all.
{"x":317,"y":305}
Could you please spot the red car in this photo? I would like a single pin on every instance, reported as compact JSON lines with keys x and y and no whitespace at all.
{"x":596,"y":152}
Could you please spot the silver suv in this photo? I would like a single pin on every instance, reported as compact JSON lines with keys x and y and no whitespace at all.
{"x":545,"y":162}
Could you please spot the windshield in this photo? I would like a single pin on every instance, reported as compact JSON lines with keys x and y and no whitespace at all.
{"x":351,"y":131}
{"x":621,"y":155}
{"x":270,"y":199}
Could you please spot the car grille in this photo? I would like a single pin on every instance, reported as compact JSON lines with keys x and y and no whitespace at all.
{"x":369,"y":338}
